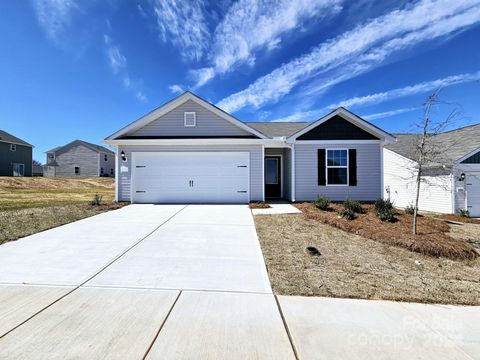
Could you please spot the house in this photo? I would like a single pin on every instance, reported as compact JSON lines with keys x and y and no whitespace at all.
{"x":451,"y":179}
{"x":15,"y":156}
{"x":190,"y":151}
{"x":79,"y":158}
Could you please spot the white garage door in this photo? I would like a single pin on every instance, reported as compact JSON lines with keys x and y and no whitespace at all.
{"x":191,"y":177}
{"x":472,"y":182}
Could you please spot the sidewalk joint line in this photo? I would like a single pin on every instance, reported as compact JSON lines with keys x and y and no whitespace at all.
{"x":290,"y":338}
{"x":161,"y":326}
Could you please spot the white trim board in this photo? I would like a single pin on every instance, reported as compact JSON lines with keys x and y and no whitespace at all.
{"x":172,"y":104}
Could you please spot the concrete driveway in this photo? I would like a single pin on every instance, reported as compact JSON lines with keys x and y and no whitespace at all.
{"x":189,"y":282}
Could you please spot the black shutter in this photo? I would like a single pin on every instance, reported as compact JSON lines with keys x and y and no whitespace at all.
{"x":352,"y":167}
{"x":321,"y":167}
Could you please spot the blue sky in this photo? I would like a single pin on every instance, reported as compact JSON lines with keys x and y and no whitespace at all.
{"x":82,"y":69}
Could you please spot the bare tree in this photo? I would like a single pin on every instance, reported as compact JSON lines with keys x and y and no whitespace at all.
{"x":428,"y":151}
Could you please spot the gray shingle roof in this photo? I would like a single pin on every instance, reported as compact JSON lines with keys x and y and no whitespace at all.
{"x":91,"y":146}
{"x":6,"y":137}
{"x":278,"y":129}
{"x":452,"y":145}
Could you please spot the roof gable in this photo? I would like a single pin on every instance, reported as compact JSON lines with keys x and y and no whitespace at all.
{"x":341,"y":124}
{"x":157,"y":114}
{"x":9,"y":138}
{"x":93,"y":147}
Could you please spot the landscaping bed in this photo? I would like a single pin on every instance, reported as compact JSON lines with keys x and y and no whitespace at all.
{"x":432,"y":237}
{"x":458,"y":218}
{"x":259,"y":205}
{"x":352,"y":266}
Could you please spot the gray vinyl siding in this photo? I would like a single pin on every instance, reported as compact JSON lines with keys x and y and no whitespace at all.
{"x":107,"y":165}
{"x":256,"y":164}
{"x":23,"y":155}
{"x":207,"y":124}
{"x":286,"y":169}
{"x":369,"y":176}
{"x":81,"y":156}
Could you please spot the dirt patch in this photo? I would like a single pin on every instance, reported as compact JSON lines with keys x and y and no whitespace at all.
{"x":355,"y":267}
{"x":15,"y":224}
{"x":469,"y":232}
{"x":259,"y":205}
{"x":432,"y":235}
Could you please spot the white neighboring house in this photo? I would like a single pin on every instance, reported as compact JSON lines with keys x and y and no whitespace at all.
{"x":450,"y":184}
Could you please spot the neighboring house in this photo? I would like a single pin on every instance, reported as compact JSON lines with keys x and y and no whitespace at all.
{"x":80,"y":158}
{"x":15,"y":156}
{"x":450,"y":183}
{"x":189,"y":151}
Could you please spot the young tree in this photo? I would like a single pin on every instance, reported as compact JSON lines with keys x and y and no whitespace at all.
{"x":429,"y":152}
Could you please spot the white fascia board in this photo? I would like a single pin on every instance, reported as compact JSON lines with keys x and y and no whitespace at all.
{"x":182,"y":142}
{"x":466,"y":156}
{"x":347,"y":115}
{"x":343,"y":142}
{"x":169,"y":106}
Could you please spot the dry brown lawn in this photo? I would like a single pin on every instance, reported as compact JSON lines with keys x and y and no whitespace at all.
{"x":352,"y":266}
{"x":32,"y":204}
{"x":34,"y":192}
{"x":259,"y":205}
{"x":432,"y":234}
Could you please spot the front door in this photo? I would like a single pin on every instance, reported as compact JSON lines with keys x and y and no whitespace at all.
{"x":273,"y":181}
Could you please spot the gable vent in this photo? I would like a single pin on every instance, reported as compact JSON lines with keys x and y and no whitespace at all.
{"x":189,"y":119}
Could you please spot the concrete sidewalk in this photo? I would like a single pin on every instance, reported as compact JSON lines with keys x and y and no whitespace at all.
{"x":183,"y":282}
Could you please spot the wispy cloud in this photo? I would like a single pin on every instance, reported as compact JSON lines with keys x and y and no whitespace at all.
{"x":360,"y":50}
{"x":184,"y":24}
{"x":141,"y":10}
{"x":377,"y":98}
{"x":118,"y":64}
{"x":385,"y":114}
{"x":54,"y":15}
{"x":252,"y":25}
{"x":176,"y":89}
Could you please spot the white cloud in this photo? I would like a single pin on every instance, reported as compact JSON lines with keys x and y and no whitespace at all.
{"x":202,"y":76}
{"x":118,"y":64}
{"x":359,"y":50}
{"x":253,"y":25}
{"x":176,"y":89}
{"x":184,"y":24}
{"x":141,"y":10}
{"x":380,"y":97}
{"x":54,"y":15}
{"x":419,"y":88}
{"x":385,"y":114}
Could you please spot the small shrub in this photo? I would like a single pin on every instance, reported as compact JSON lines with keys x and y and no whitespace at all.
{"x":354,"y":206}
{"x":384,"y":210}
{"x":347,"y":214}
{"x":410,"y":210}
{"x":464,"y":213}
{"x":322,"y":203}
{"x":97,"y":200}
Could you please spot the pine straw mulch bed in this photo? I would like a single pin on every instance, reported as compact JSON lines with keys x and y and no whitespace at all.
{"x":432,"y":238}
{"x":259,"y":205}
{"x":458,"y":218}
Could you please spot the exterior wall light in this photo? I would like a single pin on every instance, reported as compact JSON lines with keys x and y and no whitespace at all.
{"x":462,"y":177}
{"x":123,"y":156}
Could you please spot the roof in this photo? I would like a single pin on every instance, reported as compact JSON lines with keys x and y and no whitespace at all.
{"x":453,"y":145}
{"x":9,"y":138}
{"x":278,"y":129}
{"x":91,"y":146}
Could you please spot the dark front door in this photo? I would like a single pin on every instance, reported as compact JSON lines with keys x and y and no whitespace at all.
{"x":273,"y":181}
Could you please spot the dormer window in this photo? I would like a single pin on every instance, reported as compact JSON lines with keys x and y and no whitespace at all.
{"x":189,"y":119}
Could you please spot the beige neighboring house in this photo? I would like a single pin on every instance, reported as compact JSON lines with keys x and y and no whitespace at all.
{"x":80,"y":158}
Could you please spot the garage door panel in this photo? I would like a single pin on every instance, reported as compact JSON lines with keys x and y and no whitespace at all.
{"x":184,"y":177}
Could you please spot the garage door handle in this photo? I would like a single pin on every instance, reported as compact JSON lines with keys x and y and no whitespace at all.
{"x":140,"y":191}
{"x":241,"y":165}
{"x":140,"y":166}
{"x":241,"y":191}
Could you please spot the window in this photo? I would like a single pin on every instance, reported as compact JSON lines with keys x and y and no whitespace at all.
{"x":271,"y":171}
{"x":189,"y":119}
{"x":337,"y":167}
{"x":111,"y":171}
{"x":77,"y":170}
{"x":51,"y":155}
{"x":13,"y":147}
{"x":105,"y":157}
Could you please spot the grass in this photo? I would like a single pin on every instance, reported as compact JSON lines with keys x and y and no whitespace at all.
{"x":34,"y":192}
{"x":432,"y":238}
{"x":32,"y":204}
{"x":352,"y":266}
